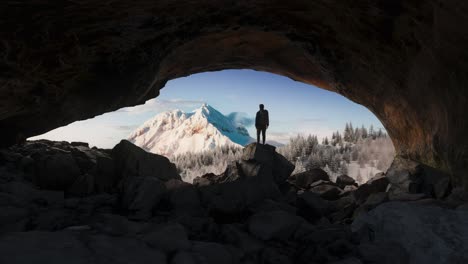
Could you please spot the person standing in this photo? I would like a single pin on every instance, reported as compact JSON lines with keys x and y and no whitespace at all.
{"x":261,"y":123}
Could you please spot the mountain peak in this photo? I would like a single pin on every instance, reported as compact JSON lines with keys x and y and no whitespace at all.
{"x":176,"y":132}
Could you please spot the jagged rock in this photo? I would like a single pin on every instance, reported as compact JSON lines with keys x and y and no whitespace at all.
{"x":167,"y":237}
{"x":51,"y":219}
{"x":132,"y":161}
{"x":204,"y":180}
{"x":232,"y":172}
{"x":273,"y":224}
{"x":376,"y":184}
{"x":123,"y":250}
{"x":423,"y":234}
{"x":304,"y":179}
{"x":139,"y":195}
{"x":344,"y":180}
{"x":326,"y":191}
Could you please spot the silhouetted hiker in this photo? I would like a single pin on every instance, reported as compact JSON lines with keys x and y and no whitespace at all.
{"x":261,"y":123}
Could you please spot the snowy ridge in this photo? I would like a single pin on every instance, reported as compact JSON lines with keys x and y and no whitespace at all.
{"x":176,"y":132}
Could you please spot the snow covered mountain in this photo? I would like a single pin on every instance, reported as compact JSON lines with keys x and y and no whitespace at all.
{"x":176,"y":132}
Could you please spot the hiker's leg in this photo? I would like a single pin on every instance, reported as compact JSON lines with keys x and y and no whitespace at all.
{"x":258,"y":135}
{"x":263,"y":135}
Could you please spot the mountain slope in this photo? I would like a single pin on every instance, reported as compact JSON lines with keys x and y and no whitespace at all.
{"x":176,"y":132}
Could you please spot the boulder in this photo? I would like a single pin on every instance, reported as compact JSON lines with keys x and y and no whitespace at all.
{"x":235,"y":197}
{"x":273,"y":224}
{"x":311,"y":206}
{"x":183,"y":198}
{"x":376,"y":184}
{"x":139,"y":195}
{"x":407,"y":176}
{"x":372,"y":201}
{"x":106,"y":177}
{"x":327,"y":192}
{"x":57,"y":171}
{"x":264,"y":161}
{"x":421,"y":233}
{"x":260,"y":153}
{"x":232,"y":172}
{"x":304,"y":179}
{"x":167,"y":237}
{"x":344,"y":180}
{"x":132,"y":161}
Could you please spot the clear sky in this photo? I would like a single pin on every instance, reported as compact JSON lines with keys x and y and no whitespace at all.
{"x":294,"y":107}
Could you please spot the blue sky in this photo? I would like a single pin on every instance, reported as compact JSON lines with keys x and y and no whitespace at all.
{"x":294,"y":107}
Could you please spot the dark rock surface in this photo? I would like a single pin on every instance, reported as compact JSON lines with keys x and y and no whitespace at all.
{"x":235,"y":217}
{"x":306,"y":178}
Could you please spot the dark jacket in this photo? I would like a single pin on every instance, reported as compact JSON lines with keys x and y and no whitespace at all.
{"x":262,"y":119}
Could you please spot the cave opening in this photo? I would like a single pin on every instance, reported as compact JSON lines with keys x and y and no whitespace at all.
{"x":311,"y":127}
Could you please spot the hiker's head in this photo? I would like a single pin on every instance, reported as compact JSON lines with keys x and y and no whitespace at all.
{"x":261,"y":106}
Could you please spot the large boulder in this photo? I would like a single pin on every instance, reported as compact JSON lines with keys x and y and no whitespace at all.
{"x":56,"y":171}
{"x":327,"y":191}
{"x":412,"y":233}
{"x":264,"y":161}
{"x":235,"y":197}
{"x":376,"y":184}
{"x":344,"y":180}
{"x":407,"y":176}
{"x":306,"y":178}
{"x":139,"y":195}
{"x":132,"y":161}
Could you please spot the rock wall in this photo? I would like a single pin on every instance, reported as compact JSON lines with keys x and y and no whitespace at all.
{"x":404,"y":60}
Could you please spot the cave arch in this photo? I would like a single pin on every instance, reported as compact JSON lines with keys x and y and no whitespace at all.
{"x":406,"y":61}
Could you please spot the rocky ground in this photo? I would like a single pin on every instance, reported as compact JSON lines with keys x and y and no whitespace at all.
{"x":67,"y":203}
